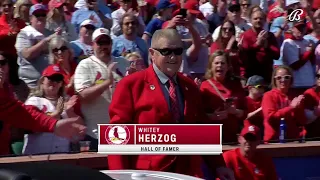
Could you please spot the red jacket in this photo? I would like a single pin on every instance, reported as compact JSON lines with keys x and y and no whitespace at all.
{"x":253,"y":105}
{"x":276,"y":105}
{"x":260,"y":167}
{"x":312,"y":99}
{"x":9,"y":41}
{"x":212,"y":101}
{"x":18,"y":115}
{"x":134,"y":102}
{"x":258,"y":60}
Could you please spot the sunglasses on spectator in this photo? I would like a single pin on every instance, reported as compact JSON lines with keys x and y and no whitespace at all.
{"x":128,"y":23}
{"x":259,"y":86}
{"x":229,"y":29}
{"x":246,"y":5}
{"x":3,"y":62}
{"x":62,"y":48}
{"x":40,"y":15}
{"x":55,"y":78}
{"x":318,"y":76}
{"x":285,"y":77}
{"x":103,"y":42}
{"x":168,"y":51}
{"x":90,"y":27}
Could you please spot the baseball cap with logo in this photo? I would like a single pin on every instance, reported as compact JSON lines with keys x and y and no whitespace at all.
{"x":53,"y":71}
{"x":37,"y":8}
{"x":192,"y":6}
{"x":251,"y":130}
{"x":100,"y":32}
{"x":164,"y":4}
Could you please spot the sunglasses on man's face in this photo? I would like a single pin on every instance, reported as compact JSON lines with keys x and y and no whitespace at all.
{"x":168,"y":51}
{"x":285,"y":77}
{"x":318,"y":76}
{"x":245,"y":5}
{"x":3,"y":62}
{"x":62,"y":48}
{"x":55,"y":78}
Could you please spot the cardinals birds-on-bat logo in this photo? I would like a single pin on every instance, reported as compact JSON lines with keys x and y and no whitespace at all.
{"x":117,"y":135}
{"x":99,"y":78}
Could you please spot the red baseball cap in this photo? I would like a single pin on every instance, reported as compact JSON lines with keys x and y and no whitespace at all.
{"x":52,"y":70}
{"x":192,"y":6}
{"x":56,"y":3}
{"x":252,"y":129}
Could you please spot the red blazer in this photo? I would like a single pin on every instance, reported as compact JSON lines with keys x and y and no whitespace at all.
{"x":212,"y":101}
{"x":276,"y":105}
{"x":312,"y":99}
{"x":260,"y":167}
{"x":134,"y":102}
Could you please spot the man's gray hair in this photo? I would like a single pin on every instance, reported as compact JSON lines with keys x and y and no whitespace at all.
{"x":171,"y":34}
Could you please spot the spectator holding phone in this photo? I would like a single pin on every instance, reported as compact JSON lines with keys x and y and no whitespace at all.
{"x":136,"y":63}
{"x":223,"y":97}
{"x":256,"y":88}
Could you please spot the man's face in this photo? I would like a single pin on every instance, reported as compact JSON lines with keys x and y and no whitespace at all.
{"x":248,"y":143}
{"x":129,"y":25}
{"x":234,"y":15}
{"x":86,"y":31}
{"x":38,"y":19}
{"x":102,"y":46}
{"x":6,"y":7}
{"x":299,"y":31}
{"x":167,"y":55}
{"x":92,"y":4}
{"x":257,"y":20}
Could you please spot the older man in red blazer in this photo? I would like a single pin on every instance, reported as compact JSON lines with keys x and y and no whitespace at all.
{"x":160,"y":95}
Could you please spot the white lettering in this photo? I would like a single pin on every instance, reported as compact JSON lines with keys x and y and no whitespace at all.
{"x":157,"y":138}
{"x":149,"y":130}
{"x":295,"y":15}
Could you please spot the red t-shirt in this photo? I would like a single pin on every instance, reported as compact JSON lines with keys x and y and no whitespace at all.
{"x":253,"y":105}
{"x":260,"y":167}
{"x":7,"y":36}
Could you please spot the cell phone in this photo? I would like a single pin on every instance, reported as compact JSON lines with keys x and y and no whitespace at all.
{"x":183,"y":12}
{"x":229,"y":100}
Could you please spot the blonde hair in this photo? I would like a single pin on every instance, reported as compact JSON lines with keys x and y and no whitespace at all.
{"x":38,"y":91}
{"x":133,"y":54}
{"x":209,"y":74}
{"x":171,"y":34}
{"x":17,"y":6}
{"x":57,"y":42}
{"x":287,"y":68}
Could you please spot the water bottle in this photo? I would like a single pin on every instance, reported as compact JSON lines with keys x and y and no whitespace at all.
{"x":282,"y":131}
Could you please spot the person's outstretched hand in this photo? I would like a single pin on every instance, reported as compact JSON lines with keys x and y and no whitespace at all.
{"x":70,"y":128}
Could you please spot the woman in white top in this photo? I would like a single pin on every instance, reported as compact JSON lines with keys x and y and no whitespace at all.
{"x":56,"y":19}
{"x":50,"y":99}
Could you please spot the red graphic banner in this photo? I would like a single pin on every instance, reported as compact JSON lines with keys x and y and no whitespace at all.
{"x":160,"y":134}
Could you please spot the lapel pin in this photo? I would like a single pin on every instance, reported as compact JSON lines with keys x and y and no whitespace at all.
{"x":152,"y":87}
{"x":186,"y":88}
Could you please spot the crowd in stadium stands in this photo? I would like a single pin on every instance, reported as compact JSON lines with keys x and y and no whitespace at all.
{"x":253,"y":63}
